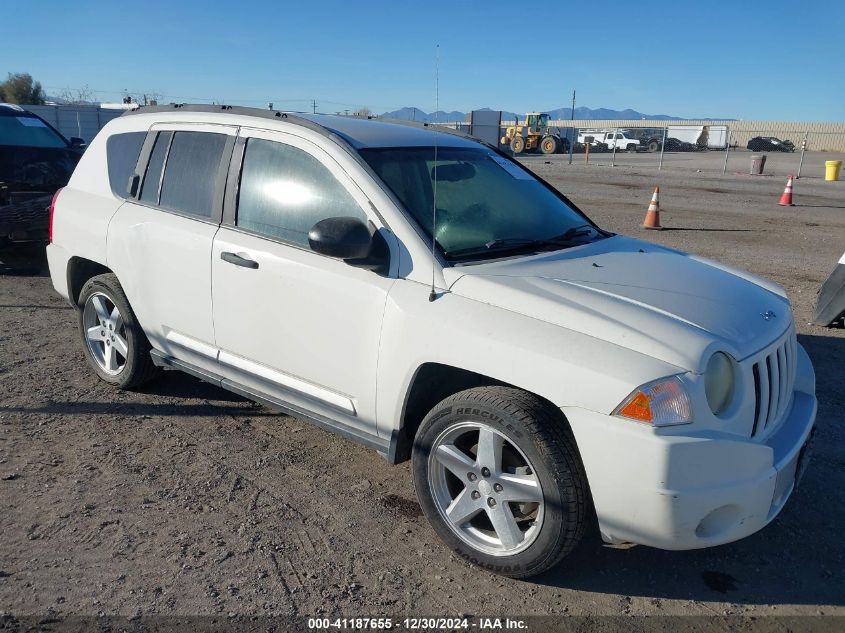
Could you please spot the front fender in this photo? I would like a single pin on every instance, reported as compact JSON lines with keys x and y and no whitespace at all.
{"x":565,"y":367}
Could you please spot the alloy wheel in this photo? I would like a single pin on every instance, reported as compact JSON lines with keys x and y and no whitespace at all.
{"x":485,"y":489}
{"x":105,"y":333}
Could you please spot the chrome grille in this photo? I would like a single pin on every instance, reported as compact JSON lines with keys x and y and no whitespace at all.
{"x":774,"y":377}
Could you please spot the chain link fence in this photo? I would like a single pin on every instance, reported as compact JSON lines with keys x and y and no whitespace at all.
{"x":719,"y":148}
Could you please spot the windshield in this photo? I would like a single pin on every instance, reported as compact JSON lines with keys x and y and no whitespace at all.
{"x":487,"y":205}
{"x":28,"y":131}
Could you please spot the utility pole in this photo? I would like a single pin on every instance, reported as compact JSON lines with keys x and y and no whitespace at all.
{"x":314,"y":106}
{"x":572,"y":128}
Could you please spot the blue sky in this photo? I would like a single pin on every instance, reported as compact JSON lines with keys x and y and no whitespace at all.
{"x":741,"y":59}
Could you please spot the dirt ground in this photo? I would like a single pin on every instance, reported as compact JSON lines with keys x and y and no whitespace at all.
{"x":184,"y":499}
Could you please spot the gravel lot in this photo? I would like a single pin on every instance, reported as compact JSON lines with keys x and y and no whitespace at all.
{"x":184,"y":499}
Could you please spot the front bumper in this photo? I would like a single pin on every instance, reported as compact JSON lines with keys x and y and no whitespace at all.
{"x":690,"y":491}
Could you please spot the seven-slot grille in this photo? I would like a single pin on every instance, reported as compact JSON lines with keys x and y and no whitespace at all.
{"x":774,"y":377}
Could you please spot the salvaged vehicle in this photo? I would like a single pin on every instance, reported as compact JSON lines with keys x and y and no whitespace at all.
{"x":830,"y":303}
{"x":614,"y":138}
{"x":35,"y":160}
{"x":769,"y":144}
{"x":677,"y":145}
{"x":543,"y":375}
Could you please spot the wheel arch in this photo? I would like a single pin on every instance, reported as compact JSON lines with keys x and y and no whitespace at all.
{"x":433,"y":382}
{"x":79,"y":271}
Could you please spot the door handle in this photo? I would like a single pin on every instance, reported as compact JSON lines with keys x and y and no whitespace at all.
{"x":237,"y":260}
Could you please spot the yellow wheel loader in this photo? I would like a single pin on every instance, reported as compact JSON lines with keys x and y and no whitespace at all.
{"x":533,"y":135}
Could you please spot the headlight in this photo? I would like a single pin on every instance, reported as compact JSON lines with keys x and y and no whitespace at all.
{"x":663,"y":402}
{"x":719,"y":381}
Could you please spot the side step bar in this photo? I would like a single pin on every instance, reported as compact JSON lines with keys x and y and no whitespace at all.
{"x":384,"y":447}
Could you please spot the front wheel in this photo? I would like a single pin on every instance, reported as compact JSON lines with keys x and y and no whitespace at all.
{"x":115,"y":345}
{"x":549,"y":145}
{"x":517,"y":144}
{"x":498,"y":475}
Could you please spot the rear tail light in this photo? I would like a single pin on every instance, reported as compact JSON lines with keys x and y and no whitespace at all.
{"x":53,"y":210}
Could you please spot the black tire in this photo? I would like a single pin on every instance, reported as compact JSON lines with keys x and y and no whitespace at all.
{"x":653,"y":146}
{"x":538,"y":431}
{"x":632,"y":148}
{"x":517,"y":144}
{"x":548,"y":145}
{"x":138,"y":367}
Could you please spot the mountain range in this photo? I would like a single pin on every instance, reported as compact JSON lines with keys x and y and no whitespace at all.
{"x":416,"y":114}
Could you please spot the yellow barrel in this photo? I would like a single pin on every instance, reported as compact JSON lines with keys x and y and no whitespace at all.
{"x":831,"y":169}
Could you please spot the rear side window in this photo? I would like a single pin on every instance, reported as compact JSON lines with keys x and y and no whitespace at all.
{"x":190,"y":173}
{"x":285,"y":191}
{"x":122,"y":152}
{"x":152,"y":178}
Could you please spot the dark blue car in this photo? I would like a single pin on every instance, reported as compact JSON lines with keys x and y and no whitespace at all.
{"x":35,"y":161}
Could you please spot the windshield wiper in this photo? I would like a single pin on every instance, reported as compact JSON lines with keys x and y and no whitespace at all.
{"x":497,"y":246}
{"x":575,"y":231}
{"x":568,"y":238}
{"x":520,"y":243}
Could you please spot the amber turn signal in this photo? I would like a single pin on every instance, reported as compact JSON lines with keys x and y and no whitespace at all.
{"x":639,"y":408}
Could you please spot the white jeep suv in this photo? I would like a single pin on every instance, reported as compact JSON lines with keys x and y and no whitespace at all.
{"x":419,"y":292}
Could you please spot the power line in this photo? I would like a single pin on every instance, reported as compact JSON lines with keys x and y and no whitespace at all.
{"x":118,"y":94}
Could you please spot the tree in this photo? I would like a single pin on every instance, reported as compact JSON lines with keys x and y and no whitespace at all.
{"x":21,"y":89}
{"x":363,"y":112}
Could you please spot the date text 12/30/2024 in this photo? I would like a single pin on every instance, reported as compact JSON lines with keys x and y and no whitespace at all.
{"x":414,"y":624}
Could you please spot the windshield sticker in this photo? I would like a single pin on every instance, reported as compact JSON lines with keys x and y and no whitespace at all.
{"x":31,"y":121}
{"x":510,"y":167}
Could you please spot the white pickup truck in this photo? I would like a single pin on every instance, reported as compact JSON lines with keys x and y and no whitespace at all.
{"x":616,"y":139}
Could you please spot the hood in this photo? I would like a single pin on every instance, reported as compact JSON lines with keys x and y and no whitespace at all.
{"x":660,"y":302}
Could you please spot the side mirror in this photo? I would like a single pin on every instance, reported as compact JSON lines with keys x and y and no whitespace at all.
{"x":77,"y":143}
{"x":350,"y":239}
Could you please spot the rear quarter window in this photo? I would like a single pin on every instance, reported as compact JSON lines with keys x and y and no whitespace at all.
{"x":122,"y":152}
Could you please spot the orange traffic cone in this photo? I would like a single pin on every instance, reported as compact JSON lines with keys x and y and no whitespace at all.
{"x":652,"y":216}
{"x":786,"y":197}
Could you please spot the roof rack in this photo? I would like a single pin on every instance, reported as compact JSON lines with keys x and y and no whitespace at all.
{"x":289,"y":117}
{"x":276,"y":115}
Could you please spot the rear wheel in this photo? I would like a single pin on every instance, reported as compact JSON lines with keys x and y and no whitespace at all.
{"x":499,"y":477}
{"x":653,"y":146}
{"x":115,"y":346}
{"x":548,"y":145}
{"x":517,"y":144}
{"x":632,"y":148}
